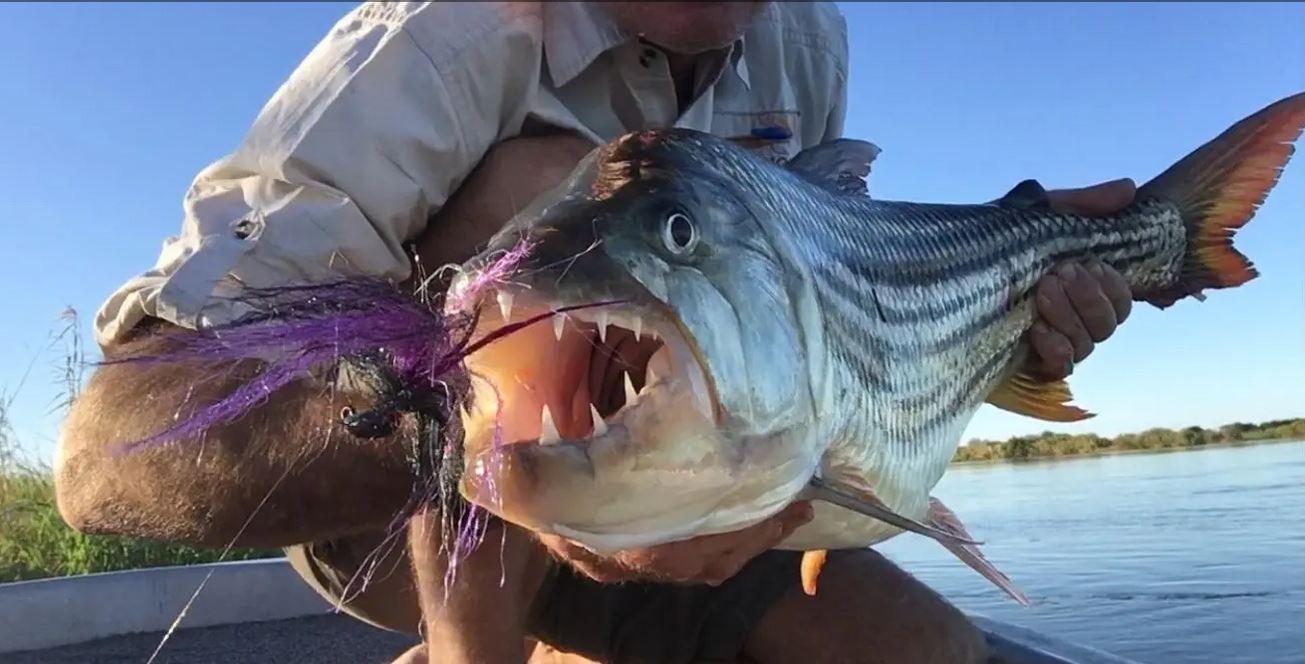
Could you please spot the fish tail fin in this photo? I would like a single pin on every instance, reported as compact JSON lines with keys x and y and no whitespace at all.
{"x":1218,"y":188}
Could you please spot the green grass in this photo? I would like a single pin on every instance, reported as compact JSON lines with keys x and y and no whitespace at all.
{"x":36,"y":543}
{"x":34,"y":540}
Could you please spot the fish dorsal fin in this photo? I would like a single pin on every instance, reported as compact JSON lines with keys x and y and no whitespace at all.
{"x":841,"y":165}
{"x":1027,"y":195}
{"x":942,"y":518}
{"x":1025,"y":394}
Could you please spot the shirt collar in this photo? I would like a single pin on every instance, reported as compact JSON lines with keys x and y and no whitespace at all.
{"x":576,"y":33}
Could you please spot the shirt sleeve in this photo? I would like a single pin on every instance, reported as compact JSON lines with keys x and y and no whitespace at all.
{"x":341,"y":168}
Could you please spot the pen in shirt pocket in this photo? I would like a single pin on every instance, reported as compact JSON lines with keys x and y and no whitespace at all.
{"x":762,"y":136}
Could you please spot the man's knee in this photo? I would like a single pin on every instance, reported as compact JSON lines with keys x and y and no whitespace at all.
{"x":866,"y":605}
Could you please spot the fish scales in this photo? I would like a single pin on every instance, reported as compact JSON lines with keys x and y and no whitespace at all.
{"x":941,"y":292}
{"x":951,"y":311}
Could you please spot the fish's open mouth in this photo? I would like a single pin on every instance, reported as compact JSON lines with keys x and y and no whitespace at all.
{"x":571,"y":378}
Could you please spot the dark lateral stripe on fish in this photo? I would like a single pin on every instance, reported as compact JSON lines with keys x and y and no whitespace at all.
{"x":935,"y":402}
{"x":985,"y":231}
{"x":902,"y":266}
{"x":854,"y":274}
{"x":965,"y":314}
{"x":874,"y":372}
{"x":949,"y":305}
{"x":939,"y":409}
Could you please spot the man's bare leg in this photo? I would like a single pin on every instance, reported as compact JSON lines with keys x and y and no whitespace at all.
{"x":481,"y":617}
{"x":866,"y":611}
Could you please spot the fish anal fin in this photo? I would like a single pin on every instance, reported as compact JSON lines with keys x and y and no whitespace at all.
{"x":942,"y":518}
{"x":1025,"y":394}
{"x":812,"y":563}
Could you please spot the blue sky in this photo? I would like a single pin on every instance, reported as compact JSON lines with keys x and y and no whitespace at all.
{"x":110,"y":110}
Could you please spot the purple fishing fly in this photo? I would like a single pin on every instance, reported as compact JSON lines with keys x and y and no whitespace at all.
{"x":405,"y":349}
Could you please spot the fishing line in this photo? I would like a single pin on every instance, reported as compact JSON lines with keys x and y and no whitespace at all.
{"x":202,"y":584}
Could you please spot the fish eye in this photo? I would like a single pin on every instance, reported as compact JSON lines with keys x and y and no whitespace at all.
{"x":679,"y":233}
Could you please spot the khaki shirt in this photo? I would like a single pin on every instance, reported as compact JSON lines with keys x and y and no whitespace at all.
{"x":396,"y":106}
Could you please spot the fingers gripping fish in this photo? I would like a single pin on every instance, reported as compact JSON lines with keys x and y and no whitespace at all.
{"x":781,"y":334}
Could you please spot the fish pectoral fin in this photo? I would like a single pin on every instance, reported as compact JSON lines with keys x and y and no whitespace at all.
{"x":1046,"y":400}
{"x":812,"y":563}
{"x":941,"y":517}
{"x":865,"y":503}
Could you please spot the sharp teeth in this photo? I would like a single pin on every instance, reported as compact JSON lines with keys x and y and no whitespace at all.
{"x":630,"y":394}
{"x":547,"y":430}
{"x":600,"y":427}
{"x":637,"y":327}
{"x":601,"y":321}
{"x":649,"y":378}
{"x":505,"y":304}
{"x":558,"y":321}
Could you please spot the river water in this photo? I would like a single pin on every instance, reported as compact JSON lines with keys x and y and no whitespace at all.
{"x":1163,"y":558}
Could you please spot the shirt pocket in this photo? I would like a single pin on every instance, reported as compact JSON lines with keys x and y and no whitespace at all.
{"x":774,"y":134}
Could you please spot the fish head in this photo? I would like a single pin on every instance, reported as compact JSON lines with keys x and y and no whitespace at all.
{"x":675,"y":401}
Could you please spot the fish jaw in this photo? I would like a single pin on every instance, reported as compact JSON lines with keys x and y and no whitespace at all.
{"x":658,"y":464}
{"x":632,"y":486}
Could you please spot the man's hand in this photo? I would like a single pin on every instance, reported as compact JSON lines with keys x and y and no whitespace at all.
{"x":1080,"y":304}
{"x":710,"y":559}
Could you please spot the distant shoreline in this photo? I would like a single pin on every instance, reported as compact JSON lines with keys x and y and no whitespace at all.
{"x":1121,"y":452}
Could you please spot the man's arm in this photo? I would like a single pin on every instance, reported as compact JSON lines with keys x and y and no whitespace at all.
{"x":341,"y":168}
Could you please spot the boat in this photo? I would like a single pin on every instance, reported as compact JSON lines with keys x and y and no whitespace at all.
{"x":1012,"y":644}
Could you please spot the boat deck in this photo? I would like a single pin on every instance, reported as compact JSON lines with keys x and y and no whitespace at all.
{"x":333,"y":638}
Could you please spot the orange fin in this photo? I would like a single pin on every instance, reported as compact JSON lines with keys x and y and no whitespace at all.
{"x":812,"y":563}
{"x":1025,"y":395}
{"x":1218,"y":188}
{"x":944,"y":519}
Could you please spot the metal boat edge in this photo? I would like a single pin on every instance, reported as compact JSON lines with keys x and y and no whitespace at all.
{"x":1012,"y":644}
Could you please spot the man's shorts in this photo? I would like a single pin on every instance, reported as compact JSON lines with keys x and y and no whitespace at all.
{"x":624,"y":623}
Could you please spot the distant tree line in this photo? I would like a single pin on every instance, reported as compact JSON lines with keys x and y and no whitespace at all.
{"x":1050,"y":445}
